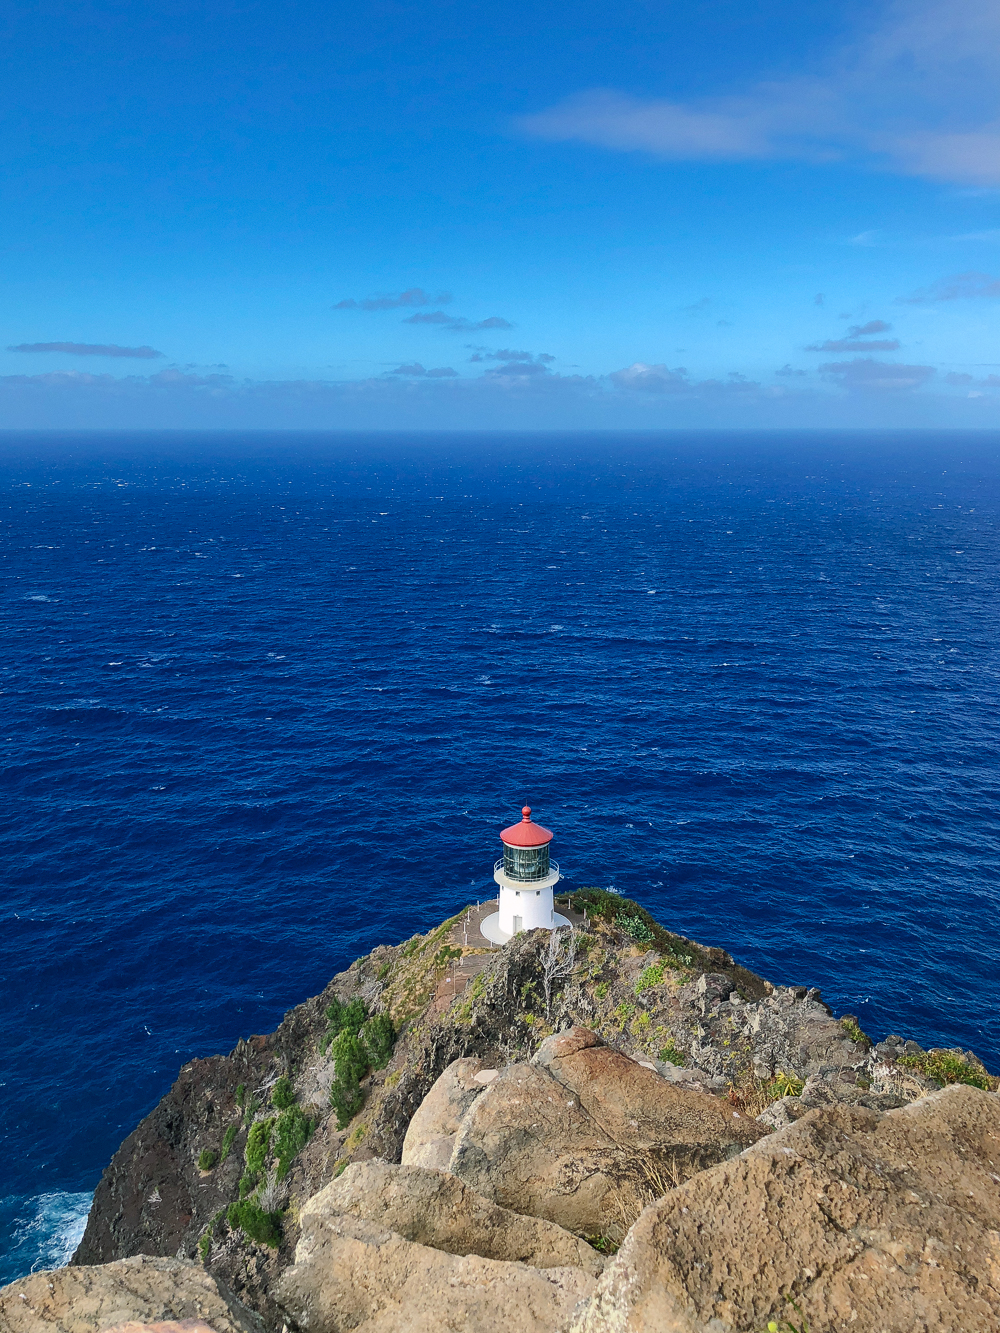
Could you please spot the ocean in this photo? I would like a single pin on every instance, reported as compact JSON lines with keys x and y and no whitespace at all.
{"x":268,"y":699}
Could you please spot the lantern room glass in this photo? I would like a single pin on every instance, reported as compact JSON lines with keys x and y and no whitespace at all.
{"x":526,"y":864}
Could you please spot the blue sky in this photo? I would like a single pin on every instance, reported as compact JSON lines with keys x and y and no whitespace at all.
{"x":389,"y":214}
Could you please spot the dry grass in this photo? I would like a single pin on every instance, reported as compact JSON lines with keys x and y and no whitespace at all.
{"x":645,"y":1180}
{"x":751,"y":1095}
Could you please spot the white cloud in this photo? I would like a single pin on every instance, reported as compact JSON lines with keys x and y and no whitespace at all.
{"x":917,"y":93}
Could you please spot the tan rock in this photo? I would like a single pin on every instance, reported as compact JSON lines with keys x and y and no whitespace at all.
{"x":529,"y":1146}
{"x":877,"y":1224}
{"x":430,"y":1137}
{"x":352,"y":1275}
{"x":637,"y":1107}
{"x":584,"y":1136}
{"x":437,"y":1209}
{"x":138,"y":1290}
{"x":565,"y":1043}
{"x":163,"y":1326}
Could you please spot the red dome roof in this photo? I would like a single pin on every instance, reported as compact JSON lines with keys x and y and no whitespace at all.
{"x":526,"y":834}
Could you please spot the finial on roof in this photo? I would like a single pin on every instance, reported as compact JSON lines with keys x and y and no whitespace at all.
{"x":526,"y":814}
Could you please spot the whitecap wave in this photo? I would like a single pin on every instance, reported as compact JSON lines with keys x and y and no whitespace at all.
{"x":42,"y":1231}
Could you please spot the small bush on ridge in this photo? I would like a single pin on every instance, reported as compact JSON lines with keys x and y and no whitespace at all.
{"x":282,"y":1095}
{"x":248,"y":1217}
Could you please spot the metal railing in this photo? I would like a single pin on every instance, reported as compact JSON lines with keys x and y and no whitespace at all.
{"x":553,"y":869}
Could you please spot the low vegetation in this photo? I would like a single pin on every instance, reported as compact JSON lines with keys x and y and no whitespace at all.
{"x":751,"y":1095}
{"x":356,"y":1042}
{"x":207,"y":1159}
{"x":272,"y":1145}
{"x":635,"y":922}
{"x":671,"y":1054}
{"x":946,"y":1067}
{"x":247,"y":1216}
{"x":282,"y":1095}
{"x":853,"y":1030}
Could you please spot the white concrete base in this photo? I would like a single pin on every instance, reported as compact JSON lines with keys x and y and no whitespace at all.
{"x":490,"y":928}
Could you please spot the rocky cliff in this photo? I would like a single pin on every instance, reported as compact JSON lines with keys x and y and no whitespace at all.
{"x":680,"y":1063}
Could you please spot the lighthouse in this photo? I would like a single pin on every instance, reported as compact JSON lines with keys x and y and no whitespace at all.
{"x":526,"y":875}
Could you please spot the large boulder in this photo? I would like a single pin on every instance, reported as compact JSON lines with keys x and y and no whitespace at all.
{"x":140,"y":1290}
{"x":637,"y":1107}
{"x":877,"y":1223}
{"x":350,"y":1274}
{"x":529,"y":1146}
{"x":430,"y":1136}
{"x":584,"y":1136}
{"x":437,"y":1209}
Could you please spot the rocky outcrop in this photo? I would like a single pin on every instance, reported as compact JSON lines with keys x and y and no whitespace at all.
{"x":430,"y":1137}
{"x":351,"y":1274}
{"x":880,"y":1224}
{"x":576,"y":1134}
{"x":133,"y":1291}
{"x":706,"y":1038}
{"x":437,"y":1209}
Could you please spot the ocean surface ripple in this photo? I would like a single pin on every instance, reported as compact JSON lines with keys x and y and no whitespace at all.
{"x":268,"y":700}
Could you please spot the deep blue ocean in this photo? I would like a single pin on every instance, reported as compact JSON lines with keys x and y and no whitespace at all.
{"x":268,"y":699}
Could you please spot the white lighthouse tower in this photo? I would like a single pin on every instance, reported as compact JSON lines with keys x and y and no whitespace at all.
{"x":526,"y":876}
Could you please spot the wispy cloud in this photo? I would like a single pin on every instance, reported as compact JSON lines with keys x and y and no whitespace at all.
{"x":865,"y":330}
{"x":641,"y":378}
{"x":89,"y":349}
{"x":509,"y":394}
{"x":458,"y":323}
{"x":914,"y":93}
{"x":865,"y":375}
{"x":991,"y":236}
{"x":414,"y":370}
{"x":513,"y":362}
{"x":859,"y":339}
{"x":962,"y":287}
{"x":856,"y":345}
{"x":411,"y":297}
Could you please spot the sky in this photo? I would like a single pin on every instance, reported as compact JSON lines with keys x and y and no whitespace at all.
{"x":464,"y":216}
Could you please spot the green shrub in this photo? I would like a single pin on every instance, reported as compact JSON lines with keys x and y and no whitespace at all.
{"x":634,"y":926}
{"x":258,"y":1145}
{"x":350,"y":1059}
{"x":785,"y":1085}
{"x":291,"y":1133}
{"x":379,"y":1037}
{"x":344,"y":1018}
{"x":248,"y":1183}
{"x":670,"y":1054}
{"x":241,"y":1094}
{"x":852,"y":1028}
{"x":601,"y":991}
{"x":347,"y":1099}
{"x":445,"y":955}
{"x":248,"y":1217}
{"x":205,"y":1245}
{"x":227,"y":1141}
{"x":650,"y":976}
{"x":282,"y":1095}
{"x":207,"y":1159}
